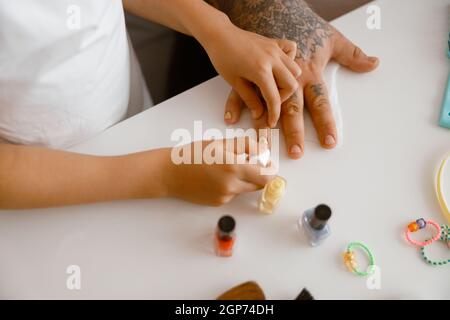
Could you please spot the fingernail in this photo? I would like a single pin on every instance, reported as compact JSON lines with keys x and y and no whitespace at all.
{"x":373,"y":59}
{"x":295,"y":149}
{"x":228,"y":115}
{"x":329,"y":140}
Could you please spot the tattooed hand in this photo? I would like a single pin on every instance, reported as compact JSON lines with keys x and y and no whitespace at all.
{"x":317,"y":42}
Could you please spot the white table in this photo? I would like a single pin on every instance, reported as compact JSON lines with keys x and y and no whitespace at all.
{"x":378,"y":181}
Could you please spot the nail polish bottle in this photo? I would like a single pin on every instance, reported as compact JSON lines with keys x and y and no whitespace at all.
{"x":225,"y":236}
{"x":271,"y":194}
{"x":314,"y":224}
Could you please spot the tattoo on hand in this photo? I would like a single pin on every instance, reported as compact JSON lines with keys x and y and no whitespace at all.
{"x":317,"y":89}
{"x":283,"y":19}
{"x":320,"y":99}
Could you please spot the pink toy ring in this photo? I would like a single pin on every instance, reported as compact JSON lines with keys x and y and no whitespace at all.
{"x":421,"y":224}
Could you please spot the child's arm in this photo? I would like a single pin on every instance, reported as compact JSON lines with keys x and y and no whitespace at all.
{"x":243,"y":58}
{"x":32,"y":177}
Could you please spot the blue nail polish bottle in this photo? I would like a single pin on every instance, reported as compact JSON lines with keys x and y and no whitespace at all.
{"x":314,"y":223}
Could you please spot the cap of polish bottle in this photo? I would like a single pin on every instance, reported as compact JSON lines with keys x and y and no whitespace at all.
{"x":225,"y":236}
{"x":314,"y":223}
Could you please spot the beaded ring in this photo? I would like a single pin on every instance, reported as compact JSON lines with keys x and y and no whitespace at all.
{"x":418,"y":225}
{"x":350,"y":262}
{"x":445,"y":236}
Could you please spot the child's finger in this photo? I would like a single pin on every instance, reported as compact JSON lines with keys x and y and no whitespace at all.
{"x":271,"y":95}
{"x":251,"y":173}
{"x":248,"y":187}
{"x":286,"y":82}
{"x":233,"y":108}
{"x":264,"y":132}
{"x":289,"y":47}
{"x":250,"y":96}
{"x":292,"y":66}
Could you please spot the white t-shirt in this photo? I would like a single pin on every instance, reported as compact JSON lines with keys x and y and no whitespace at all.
{"x":67,"y":71}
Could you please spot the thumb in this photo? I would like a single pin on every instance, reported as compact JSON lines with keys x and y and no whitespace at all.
{"x":352,"y":57}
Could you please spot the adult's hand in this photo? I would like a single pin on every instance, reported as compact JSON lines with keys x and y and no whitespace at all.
{"x":317,"y":43}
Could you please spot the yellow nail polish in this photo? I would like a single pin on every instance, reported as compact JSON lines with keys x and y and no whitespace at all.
{"x":271,"y":194}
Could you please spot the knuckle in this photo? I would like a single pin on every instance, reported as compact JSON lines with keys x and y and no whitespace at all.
{"x":217,"y":203}
{"x":273,"y":49}
{"x":261,"y":74}
{"x":298,"y":71}
{"x":320,"y":104}
{"x":292,"y":108}
{"x":263,"y":67}
{"x":230,"y":168}
{"x":226,"y":189}
{"x":225,"y":200}
{"x":294,"y":85}
{"x":314,"y":69}
{"x":291,"y":44}
{"x":221,"y":200}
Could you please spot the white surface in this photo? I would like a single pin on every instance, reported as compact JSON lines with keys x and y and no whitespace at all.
{"x":378,"y":181}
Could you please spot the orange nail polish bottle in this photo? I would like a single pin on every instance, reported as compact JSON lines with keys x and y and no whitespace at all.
{"x":225,"y":236}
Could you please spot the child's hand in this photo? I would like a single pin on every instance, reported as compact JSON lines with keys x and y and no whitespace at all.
{"x":216,"y":184}
{"x":245,"y":59}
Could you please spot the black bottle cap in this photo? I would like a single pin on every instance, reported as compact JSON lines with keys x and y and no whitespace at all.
{"x":322,"y":213}
{"x":226,"y":224}
{"x":305,"y":295}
